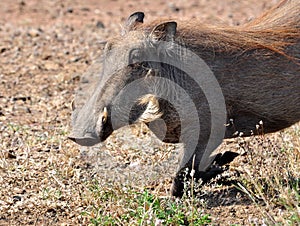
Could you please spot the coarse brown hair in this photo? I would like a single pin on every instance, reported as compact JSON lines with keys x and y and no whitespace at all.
{"x":275,"y":30}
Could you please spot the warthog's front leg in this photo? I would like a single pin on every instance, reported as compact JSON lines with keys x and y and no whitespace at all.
{"x":187,"y":173}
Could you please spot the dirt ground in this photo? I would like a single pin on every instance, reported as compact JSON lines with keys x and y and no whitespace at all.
{"x":45,"y":47}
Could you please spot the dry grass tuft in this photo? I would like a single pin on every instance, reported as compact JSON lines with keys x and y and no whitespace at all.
{"x":270,"y":174}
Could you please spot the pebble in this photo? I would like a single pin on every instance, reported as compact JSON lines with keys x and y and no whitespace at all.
{"x":10,"y":155}
{"x":34,"y":32}
{"x":70,"y":10}
{"x":100,"y":25}
{"x":17,"y":198}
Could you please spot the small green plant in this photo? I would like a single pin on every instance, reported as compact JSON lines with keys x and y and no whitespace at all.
{"x":119,"y":206}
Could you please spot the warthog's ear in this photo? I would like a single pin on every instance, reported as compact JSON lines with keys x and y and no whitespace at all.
{"x":164,"y":31}
{"x":133,"y":20}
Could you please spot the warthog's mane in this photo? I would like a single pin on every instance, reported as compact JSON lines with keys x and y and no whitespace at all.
{"x":274,"y":31}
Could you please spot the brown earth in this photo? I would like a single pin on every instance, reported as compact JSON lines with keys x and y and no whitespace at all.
{"x":45,"y":46}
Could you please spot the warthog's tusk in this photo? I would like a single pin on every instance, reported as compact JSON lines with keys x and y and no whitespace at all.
{"x":104,"y":115}
{"x":73,"y":105}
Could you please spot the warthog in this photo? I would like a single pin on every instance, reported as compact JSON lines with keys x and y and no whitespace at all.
{"x":245,"y":76}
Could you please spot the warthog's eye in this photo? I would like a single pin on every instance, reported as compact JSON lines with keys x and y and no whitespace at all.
{"x":135,"y":56}
{"x":104,"y":115}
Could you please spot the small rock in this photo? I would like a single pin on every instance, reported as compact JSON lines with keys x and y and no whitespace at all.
{"x":11,"y":155}
{"x":3,"y":49}
{"x":100,"y":25}
{"x":84,"y":80}
{"x":49,"y":65}
{"x":21,"y":98}
{"x":46,"y":57}
{"x":173,"y":7}
{"x":34,"y":32}
{"x":17,"y":198}
{"x":70,"y":10}
{"x":19,"y":190}
{"x":75,"y":59}
{"x":51,"y":212}
{"x":22,"y":3}
{"x":85,"y":9}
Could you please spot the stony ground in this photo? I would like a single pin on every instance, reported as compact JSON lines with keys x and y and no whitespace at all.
{"x":45,"y":48}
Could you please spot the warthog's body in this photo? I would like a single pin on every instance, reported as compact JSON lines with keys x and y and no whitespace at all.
{"x":256,"y":66}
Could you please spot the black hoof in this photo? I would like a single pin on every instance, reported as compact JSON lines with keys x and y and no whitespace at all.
{"x":212,"y":172}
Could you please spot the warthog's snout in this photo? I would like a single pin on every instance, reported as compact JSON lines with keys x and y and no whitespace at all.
{"x":86,"y":140}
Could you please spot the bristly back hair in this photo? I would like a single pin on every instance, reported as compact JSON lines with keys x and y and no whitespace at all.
{"x":275,"y":30}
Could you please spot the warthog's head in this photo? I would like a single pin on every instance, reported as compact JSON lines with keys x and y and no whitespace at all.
{"x":124,"y":63}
